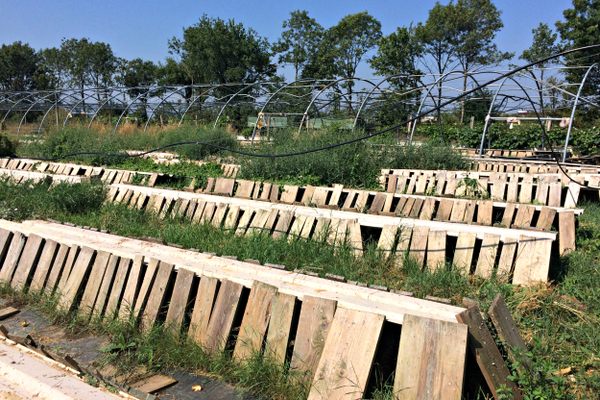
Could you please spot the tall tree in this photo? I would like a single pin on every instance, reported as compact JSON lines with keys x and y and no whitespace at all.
{"x":216,"y":51}
{"x":397,"y":55}
{"x":477,"y":23}
{"x":88,"y":64}
{"x":581,"y":27}
{"x":543,"y":45}
{"x":301,"y":35}
{"x":138,"y":75}
{"x":438,"y":37}
{"x":346,"y":44}
{"x":18,"y":67}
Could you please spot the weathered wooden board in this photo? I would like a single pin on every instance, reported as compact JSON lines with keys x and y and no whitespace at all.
{"x":29,"y":257}
{"x":203,"y":305}
{"x":179,"y":299}
{"x":73,"y":285}
{"x":255,"y":321}
{"x":431,"y":359}
{"x":157,"y":295}
{"x":436,"y":250}
{"x":131,"y":288}
{"x":532,"y":262}
{"x":92,"y":287}
{"x":487,"y":256}
{"x":147,"y":282}
{"x":12,"y":256}
{"x":104,"y":291}
{"x":56,"y":268}
{"x":222,"y":317}
{"x":566,"y":232}
{"x":118,"y":287}
{"x":463,"y":253}
{"x":486,"y":352}
{"x":316,"y":315}
{"x":347,"y":357}
{"x":280,"y":325}
{"x":43,"y":267}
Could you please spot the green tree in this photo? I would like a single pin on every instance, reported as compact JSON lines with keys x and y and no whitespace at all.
{"x":397,"y":56}
{"x":477,"y":22}
{"x":438,"y":39}
{"x":345,"y":45}
{"x":215,"y":51}
{"x":138,"y":75}
{"x":18,"y":67}
{"x":544,"y":45}
{"x":301,"y":35}
{"x":581,"y":27}
{"x":88,"y":64}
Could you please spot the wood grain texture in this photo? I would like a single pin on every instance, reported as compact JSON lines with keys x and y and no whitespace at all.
{"x":222,"y":317}
{"x":92,"y":287}
{"x":12,"y":256}
{"x":347,"y":357}
{"x":487,"y":355}
{"x":280,"y":325}
{"x":118,"y":287}
{"x":156,"y":296}
{"x":431,"y":359}
{"x":255,"y":321}
{"x":74,"y":284}
{"x":203,"y":305}
{"x":316,"y":315}
{"x":179,"y":299}
{"x":27,"y":261}
{"x":463,"y":253}
{"x":436,"y":250}
{"x":43,"y":267}
{"x":566,"y":232}
{"x":131,"y":288}
{"x":56,"y":268}
{"x":532,"y":262}
{"x":487,"y":256}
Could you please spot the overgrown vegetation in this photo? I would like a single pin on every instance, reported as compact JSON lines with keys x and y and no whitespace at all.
{"x":559,"y":321}
{"x":7,"y":147}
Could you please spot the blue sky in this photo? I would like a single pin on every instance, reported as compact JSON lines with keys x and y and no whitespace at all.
{"x":137,"y":28}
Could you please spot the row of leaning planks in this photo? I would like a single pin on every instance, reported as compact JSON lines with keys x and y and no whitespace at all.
{"x":514,"y":255}
{"x":337,"y":335}
{"x":481,"y":250}
{"x":447,"y":209}
{"x":553,"y":190}
{"x":529,"y":166}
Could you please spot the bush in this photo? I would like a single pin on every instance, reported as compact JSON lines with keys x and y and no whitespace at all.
{"x":430,"y":155}
{"x":7,"y":148}
{"x":352,"y":165}
{"x":216,"y":140}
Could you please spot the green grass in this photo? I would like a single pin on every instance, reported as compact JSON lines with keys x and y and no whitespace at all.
{"x":559,"y":321}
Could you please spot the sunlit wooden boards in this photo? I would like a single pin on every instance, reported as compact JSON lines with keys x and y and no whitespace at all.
{"x":431,"y":359}
{"x":333,"y":343}
{"x":23,"y":176}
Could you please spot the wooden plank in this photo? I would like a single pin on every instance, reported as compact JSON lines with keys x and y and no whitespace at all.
{"x":387,"y":239}
{"x":118,"y":287}
{"x":29,"y":257}
{"x":507,"y":259}
{"x":484,"y":212}
{"x":244,"y":189}
{"x":297,"y":227}
{"x":56,"y":268}
{"x":154,"y":383}
{"x":280,"y":325}
{"x":147,"y":282}
{"x":8,"y":312}
{"x":5,"y":238}
{"x":533,"y":261}
{"x":244,"y":221}
{"x":428,"y":209}
{"x":255,"y":321}
{"x":458,"y":211}
{"x":222,"y":317}
{"x":203,"y":305}
{"x":354,"y":238}
{"x":307,"y":227}
{"x":73,"y":285}
{"x":219,"y":215}
{"x":431,"y":359}
{"x":207,"y":214}
{"x":315,"y":320}
{"x":444,"y":210}
{"x":436,"y":250}
{"x":347,"y":357}
{"x":156,"y":296}
{"x":334,"y":200}
{"x":526,"y":191}
{"x":283,"y":224}
{"x":508,"y":332}
{"x":403,"y":245}
{"x":131,"y":288}
{"x":104,"y":291}
{"x":487,"y":355}
{"x":43,"y":267}
{"x":546,"y":219}
{"x":290,"y":192}
{"x":572,"y":198}
{"x":179,"y":300}
{"x":68,"y":267}
{"x":487,"y":255}
{"x":463,"y":253}
{"x":508,"y":215}
{"x":554,"y":198}
{"x":566,"y":232}
{"x":92,"y":287}
{"x":524,"y":216}
{"x":12,"y":256}
{"x":418,"y":244}
{"x":224,"y":186}
{"x":231,"y":219}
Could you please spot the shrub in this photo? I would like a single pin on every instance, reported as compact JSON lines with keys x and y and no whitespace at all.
{"x":7,"y":147}
{"x":213,"y":142}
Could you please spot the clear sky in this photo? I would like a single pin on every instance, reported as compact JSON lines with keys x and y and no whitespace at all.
{"x":141,"y":28}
